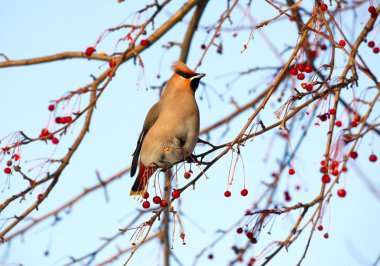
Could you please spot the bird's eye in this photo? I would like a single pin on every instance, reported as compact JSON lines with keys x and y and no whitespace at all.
{"x":185,"y":75}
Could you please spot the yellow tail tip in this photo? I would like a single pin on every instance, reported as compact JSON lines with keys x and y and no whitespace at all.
{"x":134,"y":193}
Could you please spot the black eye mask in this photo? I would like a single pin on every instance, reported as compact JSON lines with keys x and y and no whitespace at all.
{"x":186,"y":75}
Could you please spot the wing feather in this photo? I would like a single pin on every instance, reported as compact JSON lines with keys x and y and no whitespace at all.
{"x":150,"y":119}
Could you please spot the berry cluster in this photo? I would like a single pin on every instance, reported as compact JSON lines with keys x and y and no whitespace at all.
{"x":372,"y":10}
{"x":45,"y":134}
{"x":299,"y":71}
{"x":156,"y":200}
{"x":375,"y":50}
{"x":8,"y":169}
{"x":63,"y":119}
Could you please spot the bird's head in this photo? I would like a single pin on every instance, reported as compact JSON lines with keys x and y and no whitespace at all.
{"x":185,"y":75}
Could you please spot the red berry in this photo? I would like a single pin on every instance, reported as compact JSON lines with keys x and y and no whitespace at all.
{"x":323,"y":47}
{"x":354,"y":124}
{"x":58,"y":120}
{"x":301,"y":67}
{"x":320,"y":227}
{"x":293,"y":71}
{"x":145,"y":195}
{"x":244,"y":192}
{"x":323,"y":117}
{"x":371,"y":9}
{"x":62,"y":120}
{"x":297,"y":187}
{"x":89,"y":51}
{"x":112,"y":63}
{"x":16,"y":157}
{"x":326,"y":179}
{"x":68,"y":119}
{"x":144,"y":42}
{"x":301,"y":76}
{"x":234,"y":35}
{"x":157,"y":200}
{"x":338,"y":123}
{"x":326,"y":235}
{"x":308,"y":69}
{"x":376,"y":50}
{"x":335,"y":164}
{"x":164,"y":204}
{"x":54,"y":140}
{"x":44,"y":132}
{"x":292,"y":171}
{"x":374,"y":15}
{"x":7,"y":170}
{"x":353,"y":154}
{"x":371,"y":44}
{"x":51,"y":107}
{"x":323,"y":7}
{"x":187,"y":175}
{"x":372,"y":158}
{"x":309,"y":87}
{"x":40,"y":196}
{"x":292,"y":18}
{"x":239,"y":230}
{"x":335,"y":172}
{"x":342,"y":43}
{"x":146,"y":205}
{"x":176,"y":193}
{"x":249,"y":235}
{"x":210,"y":256}
{"x":287,"y":196}
{"x":332,"y":111}
{"x":323,"y":169}
{"x":342,"y":193}
{"x":203,"y":46}
{"x":357,"y":118}
{"x":227,"y":193}
{"x":312,"y":53}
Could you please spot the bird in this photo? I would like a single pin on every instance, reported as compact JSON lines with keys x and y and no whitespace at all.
{"x":171,"y":127}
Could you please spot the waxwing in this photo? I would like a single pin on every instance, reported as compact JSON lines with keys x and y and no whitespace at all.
{"x":170,"y":129}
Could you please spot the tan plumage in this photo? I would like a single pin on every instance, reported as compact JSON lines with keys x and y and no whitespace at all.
{"x":170,"y":129}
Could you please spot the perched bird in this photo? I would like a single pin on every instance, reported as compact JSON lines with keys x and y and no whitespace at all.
{"x":170,"y":129}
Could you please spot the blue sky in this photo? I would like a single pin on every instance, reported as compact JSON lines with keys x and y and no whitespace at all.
{"x":36,"y":28}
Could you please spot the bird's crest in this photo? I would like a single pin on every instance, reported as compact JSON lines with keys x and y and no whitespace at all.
{"x":183,"y":70}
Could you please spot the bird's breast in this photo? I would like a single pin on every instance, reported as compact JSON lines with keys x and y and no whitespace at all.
{"x":175,"y":133}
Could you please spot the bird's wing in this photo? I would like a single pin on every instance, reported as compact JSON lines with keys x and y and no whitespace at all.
{"x":150,"y":119}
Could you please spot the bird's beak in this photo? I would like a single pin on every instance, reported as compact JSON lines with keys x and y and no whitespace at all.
{"x":199,"y":76}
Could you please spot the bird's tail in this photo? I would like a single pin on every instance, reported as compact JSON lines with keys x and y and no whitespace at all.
{"x":142,"y":179}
